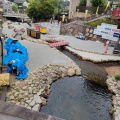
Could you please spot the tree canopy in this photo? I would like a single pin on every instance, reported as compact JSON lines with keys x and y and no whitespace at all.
{"x":96,"y":3}
{"x":15,"y":7}
{"x":83,"y":2}
{"x":41,"y":9}
{"x":44,"y":9}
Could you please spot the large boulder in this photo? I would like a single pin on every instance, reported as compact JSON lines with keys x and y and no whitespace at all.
{"x":94,"y":72}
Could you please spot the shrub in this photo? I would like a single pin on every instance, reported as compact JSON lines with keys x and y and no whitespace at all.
{"x":98,"y":22}
{"x":83,"y":2}
{"x":117,"y":77}
{"x":112,"y":110}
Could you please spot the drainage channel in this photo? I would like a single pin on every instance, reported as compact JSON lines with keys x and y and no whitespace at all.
{"x":76,"y":98}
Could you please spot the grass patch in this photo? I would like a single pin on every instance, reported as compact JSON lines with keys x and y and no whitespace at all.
{"x":98,"y":22}
{"x":112,"y":110}
{"x":117,"y":77}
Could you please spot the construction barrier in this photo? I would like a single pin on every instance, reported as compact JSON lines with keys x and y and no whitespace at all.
{"x":33,"y":33}
{"x":40,"y":28}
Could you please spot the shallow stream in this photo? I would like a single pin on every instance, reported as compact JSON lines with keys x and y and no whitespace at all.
{"x":75,"y":98}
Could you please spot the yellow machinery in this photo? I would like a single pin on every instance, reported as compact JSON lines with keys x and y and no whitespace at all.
{"x":43,"y":30}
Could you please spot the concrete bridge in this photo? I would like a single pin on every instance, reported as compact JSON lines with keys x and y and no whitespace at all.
{"x":17,"y":15}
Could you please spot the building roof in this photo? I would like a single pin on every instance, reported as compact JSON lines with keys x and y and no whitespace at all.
{"x":19,"y":1}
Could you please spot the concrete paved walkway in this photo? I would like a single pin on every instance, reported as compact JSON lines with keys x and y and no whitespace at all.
{"x":41,"y":54}
{"x":85,"y":45}
{"x":94,"y":57}
{"x":8,"y":117}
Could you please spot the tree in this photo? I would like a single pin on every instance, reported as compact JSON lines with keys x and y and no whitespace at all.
{"x":83,"y":2}
{"x":15,"y":8}
{"x":41,"y":9}
{"x":96,"y":3}
{"x":118,"y":5}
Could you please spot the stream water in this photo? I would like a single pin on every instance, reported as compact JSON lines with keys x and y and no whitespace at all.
{"x":75,"y":98}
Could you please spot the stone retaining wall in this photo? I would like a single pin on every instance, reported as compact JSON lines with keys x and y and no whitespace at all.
{"x":114,"y":87}
{"x":33,"y":92}
{"x":71,"y":28}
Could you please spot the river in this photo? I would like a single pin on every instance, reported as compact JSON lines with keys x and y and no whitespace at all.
{"x":76,"y":98}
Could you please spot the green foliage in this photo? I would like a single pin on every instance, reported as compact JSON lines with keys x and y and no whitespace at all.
{"x":117,"y":76}
{"x":98,"y":22}
{"x":41,"y":9}
{"x":96,"y":3}
{"x":61,"y":7}
{"x":83,"y":2}
{"x":15,"y":8}
{"x":118,"y":5}
{"x":112,"y":110}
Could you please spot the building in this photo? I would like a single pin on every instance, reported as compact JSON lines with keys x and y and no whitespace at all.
{"x":72,"y":7}
{"x":74,"y":3}
{"x":7,"y":6}
{"x":21,"y":3}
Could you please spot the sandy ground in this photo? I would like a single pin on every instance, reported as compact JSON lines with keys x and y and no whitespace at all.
{"x":112,"y":70}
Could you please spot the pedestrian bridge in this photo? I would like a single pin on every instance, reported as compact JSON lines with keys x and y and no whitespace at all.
{"x":17,"y":15}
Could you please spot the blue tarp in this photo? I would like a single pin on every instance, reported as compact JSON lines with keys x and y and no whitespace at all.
{"x":17,"y":56}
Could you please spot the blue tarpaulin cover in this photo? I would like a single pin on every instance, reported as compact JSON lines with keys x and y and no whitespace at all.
{"x":17,"y":56}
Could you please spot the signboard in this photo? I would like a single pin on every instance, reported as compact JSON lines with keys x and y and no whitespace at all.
{"x":109,"y":25}
{"x":116,"y":35}
{"x":108,"y":31}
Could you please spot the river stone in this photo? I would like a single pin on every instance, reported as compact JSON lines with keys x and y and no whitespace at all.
{"x":16,"y":93}
{"x":30,"y":90}
{"x":78,"y":71}
{"x":63,"y":70}
{"x":12,"y":97}
{"x":18,"y":103}
{"x":28,"y":107}
{"x":118,"y":85}
{"x":36,"y":107}
{"x":32,"y":103}
{"x":71,"y":72}
{"x":28,"y":101}
{"x":21,"y":96}
{"x":37,"y":99}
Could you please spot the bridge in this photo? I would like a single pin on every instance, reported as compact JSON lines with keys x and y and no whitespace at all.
{"x":17,"y":15}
